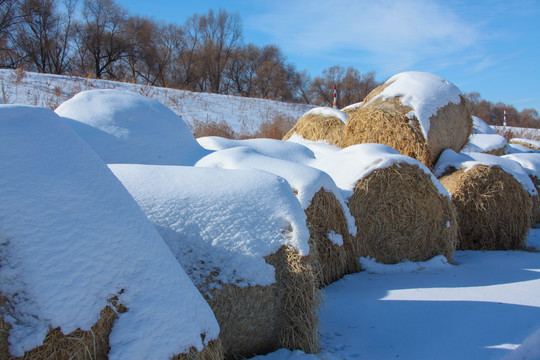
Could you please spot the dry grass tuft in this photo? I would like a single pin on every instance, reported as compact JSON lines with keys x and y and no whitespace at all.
{"x":401,"y":215}
{"x":212,"y":128}
{"x":386,"y":122}
{"x":257,"y":320}
{"x":212,"y":351}
{"x":317,"y":127}
{"x":493,"y":208}
{"x":332,"y":261}
{"x":275,"y":128}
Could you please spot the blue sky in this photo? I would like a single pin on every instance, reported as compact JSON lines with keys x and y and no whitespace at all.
{"x":492,"y":47}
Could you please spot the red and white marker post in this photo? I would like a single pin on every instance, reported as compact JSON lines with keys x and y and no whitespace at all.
{"x":504,"y":119}
{"x":335,"y":98}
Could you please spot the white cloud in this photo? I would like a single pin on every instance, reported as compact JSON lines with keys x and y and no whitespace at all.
{"x":397,"y":34}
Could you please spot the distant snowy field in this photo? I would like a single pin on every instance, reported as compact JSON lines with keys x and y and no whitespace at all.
{"x":242,"y":114}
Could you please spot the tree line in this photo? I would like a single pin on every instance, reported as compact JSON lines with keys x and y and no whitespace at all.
{"x":207,"y":53}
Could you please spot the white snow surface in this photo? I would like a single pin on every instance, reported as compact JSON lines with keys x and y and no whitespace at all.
{"x":356,"y":162}
{"x":481,"y":127}
{"x":328,"y":112}
{"x":72,"y":237}
{"x":425,"y":93}
{"x":353,"y":106}
{"x":219,"y":220}
{"x":270,"y":147}
{"x":529,"y":161}
{"x":371,"y":266}
{"x":304,"y":180}
{"x":125,"y":127}
{"x":530,"y":142}
{"x":450,"y":159}
{"x":320,"y":148}
{"x":484,"y":143}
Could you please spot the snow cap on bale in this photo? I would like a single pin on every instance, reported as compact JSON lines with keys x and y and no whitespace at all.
{"x":320,"y":123}
{"x":493,"y":199}
{"x":329,"y":221}
{"x":481,"y":127}
{"x":241,"y":235}
{"x":352,"y":108}
{"x":528,"y":143}
{"x":419,"y":114}
{"x":270,"y":147}
{"x":74,"y":244}
{"x":493,"y":144}
{"x":319,"y":148}
{"x":402,"y":212}
{"x":125,"y":127}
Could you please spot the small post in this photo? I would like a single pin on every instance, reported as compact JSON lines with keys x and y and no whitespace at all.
{"x":335,"y":98}
{"x":504,"y":119}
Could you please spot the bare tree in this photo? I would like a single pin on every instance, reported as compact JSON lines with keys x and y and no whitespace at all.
{"x":9,"y":17}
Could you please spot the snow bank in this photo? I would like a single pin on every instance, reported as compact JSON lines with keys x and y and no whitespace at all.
{"x":371,"y":266}
{"x":125,"y":127}
{"x":484,"y":143}
{"x":529,"y":161}
{"x":304,"y":180}
{"x":356,"y":162}
{"x":217,"y":220}
{"x":450,"y":159}
{"x":328,"y":112}
{"x":270,"y":147}
{"x":481,"y":127}
{"x":72,"y":237}
{"x":425,"y":93}
{"x":319,"y":148}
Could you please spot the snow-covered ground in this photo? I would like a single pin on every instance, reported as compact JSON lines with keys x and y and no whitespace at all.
{"x":484,"y":306}
{"x":244,"y":115}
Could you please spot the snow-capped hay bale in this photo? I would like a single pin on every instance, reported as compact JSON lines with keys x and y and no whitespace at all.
{"x":88,"y":250}
{"x":528,"y":143}
{"x":352,"y":108}
{"x":320,"y":149}
{"x":402,"y":212}
{"x":328,"y":220}
{"x":493,"y":144}
{"x":128,"y":128}
{"x":419,"y":114}
{"x":320,"y":124}
{"x":481,"y":127}
{"x":245,"y":253}
{"x":493,"y":199}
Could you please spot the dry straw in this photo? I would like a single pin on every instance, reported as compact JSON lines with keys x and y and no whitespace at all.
{"x":535,"y":217}
{"x":386,"y":122}
{"x":401,"y":215}
{"x":256,"y":320}
{"x":317,"y":127}
{"x":88,"y":345}
{"x":493,"y":208}
{"x":332,"y":261}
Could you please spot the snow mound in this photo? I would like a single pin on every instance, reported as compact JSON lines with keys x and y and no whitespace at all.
{"x":370,"y":265}
{"x":529,"y":161}
{"x":356,"y":162}
{"x":328,"y":112}
{"x":481,"y":127}
{"x":484,"y":143}
{"x":72,"y":237}
{"x":278,"y":149}
{"x":425,"y":93}
{"x":217,"y":220}
{"x":305,"y":181}
{"x":125,"y":127}
{"x":526,"y":142}
{"x":319,"y":148}
{"x":450,"y":159}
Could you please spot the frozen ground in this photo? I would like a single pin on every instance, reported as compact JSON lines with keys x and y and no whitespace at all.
{"x":484,"y":306}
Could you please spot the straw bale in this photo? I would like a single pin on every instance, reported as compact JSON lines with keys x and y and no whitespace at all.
{"x":316,"y":127}
{"x":332,"y":261}
{"x":212,"y":351}
{"x":527,"y":144}
{"x":535,"y":217}
{"x":493,"y":208}
{"x":257,"y":320}
{"x":401,"y":215}
{"x":386,"y":122}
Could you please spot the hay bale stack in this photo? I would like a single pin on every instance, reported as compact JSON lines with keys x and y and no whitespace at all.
{"x":418,"y":114}
{"x":329,"y":222}
{"x":493,"y":199}
{"x":320,"y":124}
{"x":401,"y":210}
{"x":71,"y":279}
{"x":243,"y":238}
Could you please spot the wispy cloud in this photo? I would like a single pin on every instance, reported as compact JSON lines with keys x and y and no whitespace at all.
{"x":396,"y":34}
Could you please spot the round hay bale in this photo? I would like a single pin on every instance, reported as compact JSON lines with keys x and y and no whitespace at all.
{"x":401,"y":215}
{"x":528,"y":143}
{"x":493,"y":208}
{"x":352,"y":108}
{"x":320,"y":124}
{"x":418,"y":114}
{"x":492,"y":144}
{"x":400,"y":209}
